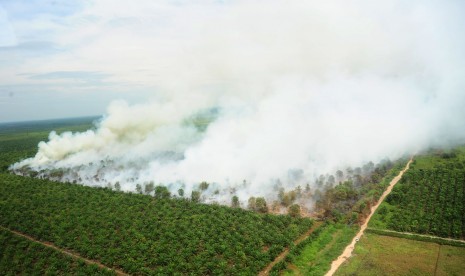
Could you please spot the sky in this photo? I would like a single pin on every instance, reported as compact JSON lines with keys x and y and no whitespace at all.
{"x":72,"y":58}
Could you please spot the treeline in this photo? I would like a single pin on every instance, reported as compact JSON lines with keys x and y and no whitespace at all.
{"x":350,"y":200}
{"x":345,"y":203}
{"x":143,"y":234}
{"x":343,"y":197}
{"x":19,"y":256}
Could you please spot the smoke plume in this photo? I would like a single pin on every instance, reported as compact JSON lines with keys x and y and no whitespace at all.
{"x":252,"y":92}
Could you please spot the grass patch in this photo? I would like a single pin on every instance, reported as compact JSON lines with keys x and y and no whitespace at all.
{"x":417,"y":237}
{"x":451,"y":261}
{"x":317,"y":256}
{"x":384,"y":255}
{"x":434,"y":158}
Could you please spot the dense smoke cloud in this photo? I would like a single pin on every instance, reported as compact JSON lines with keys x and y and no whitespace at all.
{"x":290,"y":91}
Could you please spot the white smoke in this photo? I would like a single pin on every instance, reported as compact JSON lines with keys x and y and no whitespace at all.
{"x":299,"y":86}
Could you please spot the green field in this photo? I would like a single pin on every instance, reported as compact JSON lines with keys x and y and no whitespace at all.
{"x":315,"y":258}
{"x":451,"y":261}
{"x":384,"y":255}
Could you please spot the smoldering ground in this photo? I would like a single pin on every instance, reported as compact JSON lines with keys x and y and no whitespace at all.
{"x":251,"y":92}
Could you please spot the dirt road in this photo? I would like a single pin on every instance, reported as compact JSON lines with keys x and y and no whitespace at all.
{"x":348,"y":250}
{"x":66,"y":252}
{"x":283,"y":254}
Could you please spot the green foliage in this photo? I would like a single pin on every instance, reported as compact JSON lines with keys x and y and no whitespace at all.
{"x":142,"y":234}
{"x":21,"y":256}
{"x":149,"y":187}
{"x":117,"y":186}
{"x":294,"y":210}
{"x":260,"y":205}
{"x":235,"y":202}
{"x":313,"y":256}
{"x":278,"y":267}
{"x":252,"y":203}
{"x":430,"y":202}
{"x":382,"y":210}
{"x":358,"y":194}
{"x":327,"y":248}
{"x":257,"y":204}
{"x":286,"y":198}
{"x":138,"y":188}
{"x":430,"y":199}
{"x":136,"y":233}
{"x":161,"y":192}
{"x":383,"y":255}
{"x":203,"y":186}
{"x":195,"y":196}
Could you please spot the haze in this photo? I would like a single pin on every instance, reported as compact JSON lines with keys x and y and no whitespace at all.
{"x":305,"y":87}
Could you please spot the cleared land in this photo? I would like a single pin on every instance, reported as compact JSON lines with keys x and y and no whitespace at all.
{"x":384,"y":255}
